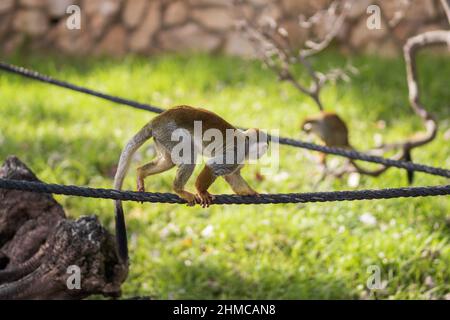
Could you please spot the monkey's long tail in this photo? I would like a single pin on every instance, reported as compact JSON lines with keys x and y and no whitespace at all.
{"x":124,"y":163}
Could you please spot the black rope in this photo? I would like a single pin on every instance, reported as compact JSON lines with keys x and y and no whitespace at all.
{"x":226,"y":199}
{"x":46,"y":79}
{"x":352,"y":154}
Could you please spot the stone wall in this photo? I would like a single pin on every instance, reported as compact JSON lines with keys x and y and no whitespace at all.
{"x":117,"y":27}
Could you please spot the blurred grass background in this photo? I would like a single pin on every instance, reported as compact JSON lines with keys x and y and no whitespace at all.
{"x":259,"y":252}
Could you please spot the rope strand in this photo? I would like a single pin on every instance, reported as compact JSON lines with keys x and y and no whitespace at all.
{"x":226,"y":199}
{"x":47,"y":79}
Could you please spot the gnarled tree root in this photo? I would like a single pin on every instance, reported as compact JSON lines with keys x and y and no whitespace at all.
{"x":44,"y":255}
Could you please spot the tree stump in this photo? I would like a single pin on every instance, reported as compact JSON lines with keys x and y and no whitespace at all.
{"x":44,"y":255}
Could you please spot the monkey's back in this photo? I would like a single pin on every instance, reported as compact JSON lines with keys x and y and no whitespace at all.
{"x":185,"y":116}
{"x":336,"y":131}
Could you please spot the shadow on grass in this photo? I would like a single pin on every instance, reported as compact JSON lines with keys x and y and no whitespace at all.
{"x":207,"y":281}
{"x":84,"y":156}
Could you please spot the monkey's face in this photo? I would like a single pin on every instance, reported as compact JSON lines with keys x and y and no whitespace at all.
{"x":258,"y":143}
{"x":317,"y":128}
{"x":307,"y":126}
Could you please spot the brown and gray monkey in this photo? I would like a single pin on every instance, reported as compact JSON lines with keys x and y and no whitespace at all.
{"x":161,"y":128}
{"x":333,"y":132}
{"x":329,"y":128}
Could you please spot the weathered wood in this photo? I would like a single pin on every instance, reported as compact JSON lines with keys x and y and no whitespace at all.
{"x":38,"y":245}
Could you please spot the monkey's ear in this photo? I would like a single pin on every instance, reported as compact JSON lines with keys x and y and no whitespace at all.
{"x":251,"y":131}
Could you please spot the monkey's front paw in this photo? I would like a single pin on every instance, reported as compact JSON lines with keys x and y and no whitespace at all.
{"x":204,"y":199}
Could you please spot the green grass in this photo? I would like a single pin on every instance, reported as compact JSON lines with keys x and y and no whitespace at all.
{"x":268,"y":251}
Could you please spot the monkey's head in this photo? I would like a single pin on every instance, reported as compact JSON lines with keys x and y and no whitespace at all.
{"x":328,"y":127}
{"x":257,"y":142}
{"x":310,"y":126}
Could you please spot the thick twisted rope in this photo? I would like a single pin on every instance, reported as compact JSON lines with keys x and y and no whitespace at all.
{"x":226,"y":199}
{"x":352,"y":154}
{"x":46,"y":79}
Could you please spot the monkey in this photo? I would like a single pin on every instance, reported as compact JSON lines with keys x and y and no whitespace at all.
{"x":183,"y":120}
{"x":330,"y":128}
{"x":333,"y":132}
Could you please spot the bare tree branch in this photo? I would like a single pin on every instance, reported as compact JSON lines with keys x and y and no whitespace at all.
{"x":446,"y":6}
{"x":273,"y":47}
{"x":399,"y":15}
{"x":338,"y":21}
{"x":410,"y":49}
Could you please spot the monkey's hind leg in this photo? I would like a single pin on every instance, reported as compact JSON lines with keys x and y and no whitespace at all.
{"x":204,"y":180}
{"x":323,"y":160}
{"x":184,"y":172}
{"x":239,"y":185}
{"x":323,"y":168}
{"x":158,"y":165}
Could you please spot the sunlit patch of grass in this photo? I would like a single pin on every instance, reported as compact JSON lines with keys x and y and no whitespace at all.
{"x":271,"y":251}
